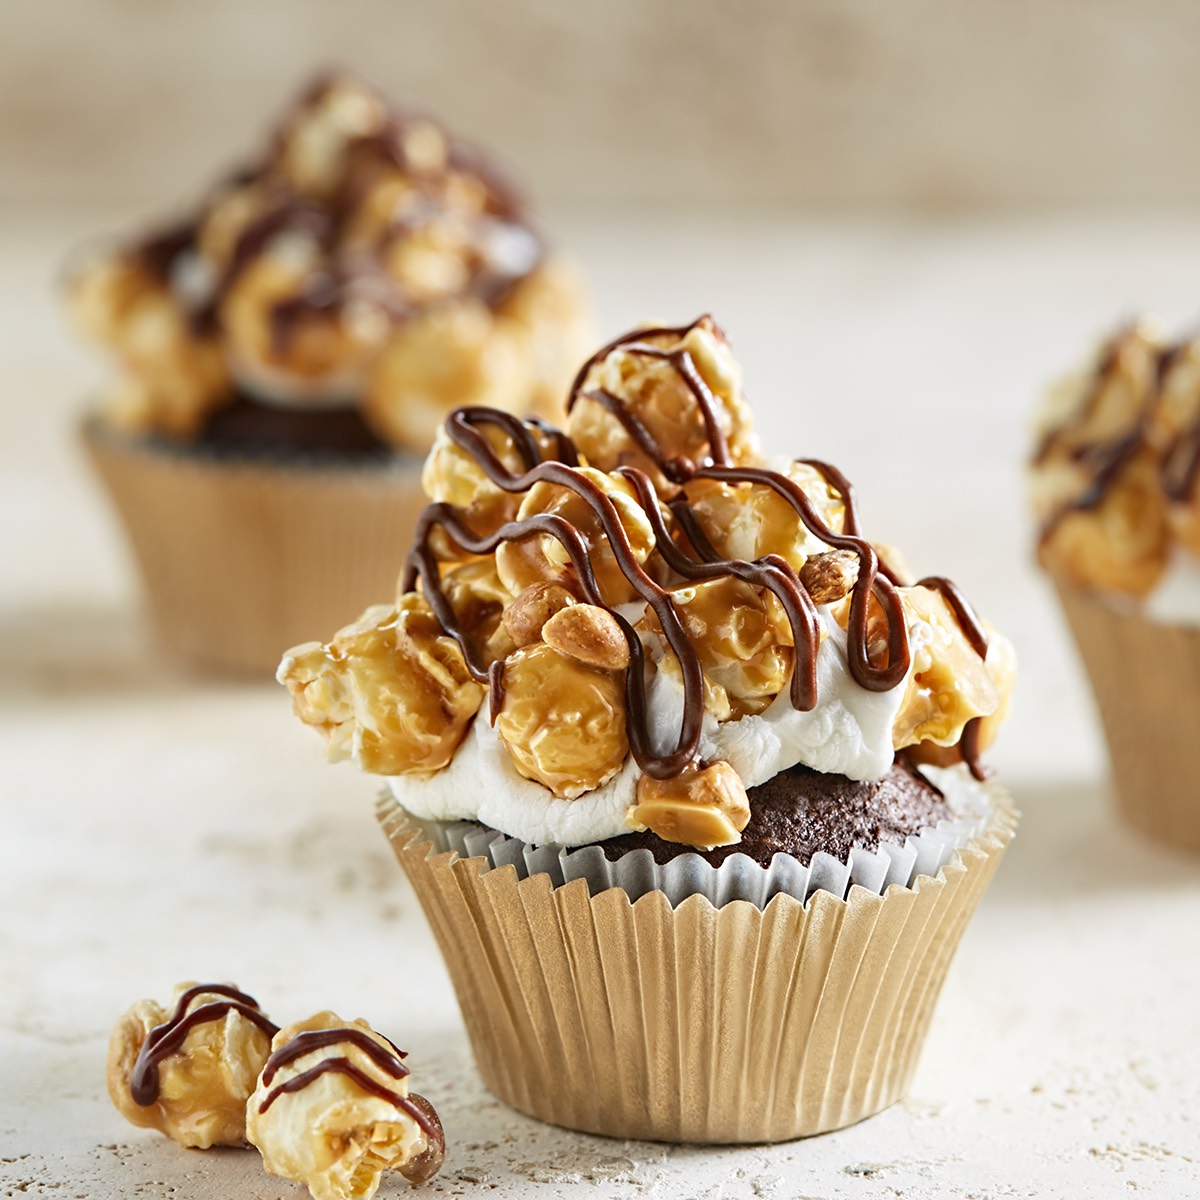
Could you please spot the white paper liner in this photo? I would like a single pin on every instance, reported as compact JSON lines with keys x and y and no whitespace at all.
{"x":739,"y":877}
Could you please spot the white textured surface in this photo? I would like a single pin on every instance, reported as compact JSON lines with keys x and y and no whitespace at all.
{"x":157,"y":828}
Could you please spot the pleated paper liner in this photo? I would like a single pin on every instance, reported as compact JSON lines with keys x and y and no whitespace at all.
{"x":691,"y":1023}
{"x":241,"y":559}
{"x":1146,"y":679}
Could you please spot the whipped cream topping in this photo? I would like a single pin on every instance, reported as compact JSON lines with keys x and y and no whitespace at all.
{"x":848,"y":731}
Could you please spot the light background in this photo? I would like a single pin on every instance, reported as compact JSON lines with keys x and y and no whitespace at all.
{"x":918,"y":103}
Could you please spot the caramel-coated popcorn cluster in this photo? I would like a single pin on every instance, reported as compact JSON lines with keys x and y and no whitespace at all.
{"x":188,"y":1070}
{"x":563,"y":573}
{"x":325,"y":1101}
{"x":1116,"y":475}
{"x":366,"y":258}
{"x":332,"y":1110}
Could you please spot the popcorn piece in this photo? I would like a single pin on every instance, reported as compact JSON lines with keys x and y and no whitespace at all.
{"x":748,"y":520}
{"x":188,"y":1072}
{"x":1120,"y":543}
{"x":452,"y":356}
{"x":541,"y":558}
{"x":562,"y":723}
{"x":172,"y":376}
{"x":479,"y":599}
{"x":703,"y":807}
{"x":391,"y":691}
{"x":451,"y":476}
{"x":332,"y":1110}
{"x":548,"y":298}
{"x":294,"y":328}
{"x":742,"y":637}
{"x":314,"y":144}
{"x":662,"y":379}
{"x":950,"y":684}
{"x":1097,"y":483}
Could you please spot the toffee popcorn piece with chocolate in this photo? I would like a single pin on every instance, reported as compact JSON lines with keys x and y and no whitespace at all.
{"x":332,"y":1110}
{"x":188,"y":1070}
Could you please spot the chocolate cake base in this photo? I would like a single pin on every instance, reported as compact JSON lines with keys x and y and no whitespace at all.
{"x":249,"y":426}
{"x":802,"y":812}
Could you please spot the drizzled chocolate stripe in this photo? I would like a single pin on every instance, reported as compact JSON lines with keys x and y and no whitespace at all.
{"x":387,"y":1060}
{"x":636,"y":343}
{"x":1106,"y":461}
{"x":165,"y":1039}
{"x":1181,"y":466}
{"x":308,"y":1040}
{"x":966,"y":616}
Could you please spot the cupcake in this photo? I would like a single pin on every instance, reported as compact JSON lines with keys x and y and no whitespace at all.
{"x":286,"y":353}
{"x":1116,"y":486}
{"x":684,"y":770}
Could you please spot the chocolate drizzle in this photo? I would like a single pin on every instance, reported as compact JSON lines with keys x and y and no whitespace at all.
{"x":351,"y":275}
{"x":389,"y":1061}
{"x":166,"y":1039}
{"x":677,"y":469}
{"x":877,"y":662}
{"x":1104,"y":462}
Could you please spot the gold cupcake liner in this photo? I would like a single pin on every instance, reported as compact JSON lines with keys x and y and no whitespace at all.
{"x":1146,"y":679}
{"x":693,"y":1023}
{"x":242,"y":559}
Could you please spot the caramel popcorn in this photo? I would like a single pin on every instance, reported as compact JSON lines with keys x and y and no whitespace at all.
{"x":742,"y":638}
{"x":172,"y":377}
{"x":703,"y":807}
{"x":658,"y":376}
{"x":635,"y":590}
{"x":479,"y":601}
{"x":562,"y":722}
{"x":188,"y":1070}
{"x":332,"y":1110}
{"x":950,"y":683}
{"x":748,"y":520}
{"x":391,"y":691}
{"x":274,"y":340}
{"x":1115,"y":472}
{"x":365,"y":259}
{"x":544,"y":559}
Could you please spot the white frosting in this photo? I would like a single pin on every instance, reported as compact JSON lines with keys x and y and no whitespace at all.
{"x":849,"y":731}
{"x":285,"y":389}
{"x":1176,"y":598}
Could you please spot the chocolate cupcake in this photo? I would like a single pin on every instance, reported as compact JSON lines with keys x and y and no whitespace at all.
{"x":286,"y":353}
{"x":1116,"y":484}
{"x":685,"y":770}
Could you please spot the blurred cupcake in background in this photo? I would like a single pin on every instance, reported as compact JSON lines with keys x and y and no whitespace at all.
{"x":1116,"y":481}
{"x":286,"y":353}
